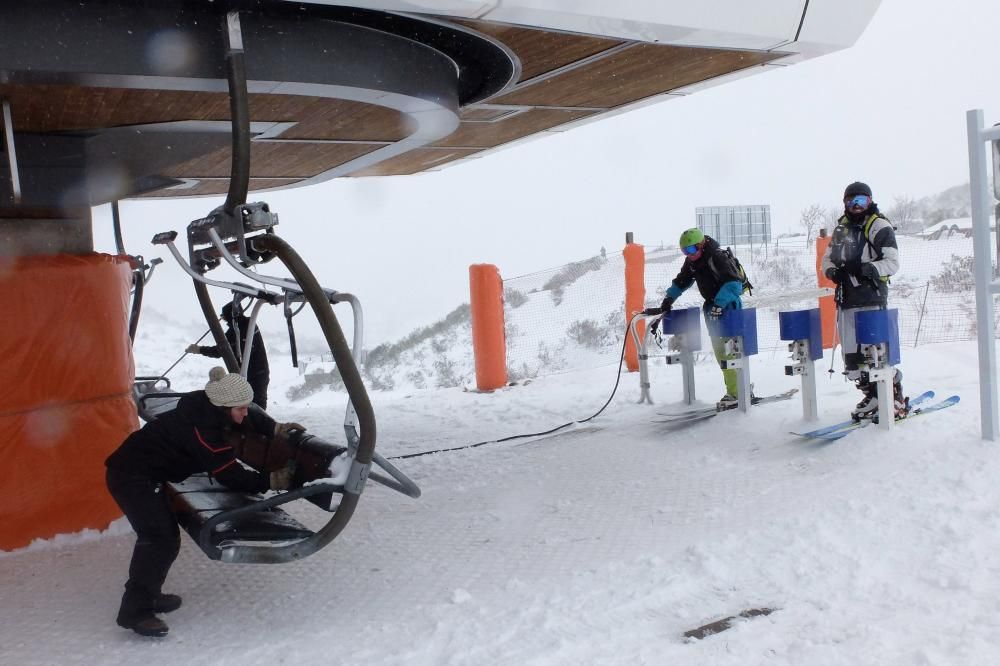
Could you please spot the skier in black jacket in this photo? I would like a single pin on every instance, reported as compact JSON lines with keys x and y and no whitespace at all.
{"x":720,"y":283}
{"x":860,"y":258}
{"x":190,"y":439}
{"x":258,"y":371}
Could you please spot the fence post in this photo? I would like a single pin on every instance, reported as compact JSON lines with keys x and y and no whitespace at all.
{"x":635,"y":296}
{"x":488,"y":340}
{"x":827,"y":306}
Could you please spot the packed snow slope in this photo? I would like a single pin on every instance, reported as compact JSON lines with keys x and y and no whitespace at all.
{"x":602,"y":544}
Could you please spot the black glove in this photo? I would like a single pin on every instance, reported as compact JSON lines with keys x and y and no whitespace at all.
{"x":716,"y":312}
{"x":868,"y":272}
{"x":837,"y":275}
{"x":666,"y":305}
{"x":652,"y":312}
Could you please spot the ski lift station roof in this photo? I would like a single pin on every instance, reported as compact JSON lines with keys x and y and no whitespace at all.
{"x":111,"y":99}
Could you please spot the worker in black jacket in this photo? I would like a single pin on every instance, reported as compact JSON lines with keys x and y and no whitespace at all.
{"x":190,"y":439}
{"x":258,"y":371}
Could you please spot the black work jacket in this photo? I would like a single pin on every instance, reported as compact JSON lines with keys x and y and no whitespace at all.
{"x":258,"y":371}
{"x":188,"y":440}
{"x":712,"y":270}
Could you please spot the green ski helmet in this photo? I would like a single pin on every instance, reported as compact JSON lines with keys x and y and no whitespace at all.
{"x":691,"y":237}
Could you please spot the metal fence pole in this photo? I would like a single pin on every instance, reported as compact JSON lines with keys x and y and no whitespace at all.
{"x":923,"y":309}
{"x":983,"y":265}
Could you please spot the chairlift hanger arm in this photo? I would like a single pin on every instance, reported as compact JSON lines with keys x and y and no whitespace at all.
{"x":232,"y":286}
{"x":213,"y":234}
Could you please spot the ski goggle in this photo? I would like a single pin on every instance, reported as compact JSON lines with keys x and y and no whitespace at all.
{"x":858,"y":201}
{"x":690,"y":249}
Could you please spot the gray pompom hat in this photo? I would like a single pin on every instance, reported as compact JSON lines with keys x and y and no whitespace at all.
{"x":227,"y":389}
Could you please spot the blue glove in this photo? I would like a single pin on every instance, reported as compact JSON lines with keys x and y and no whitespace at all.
{"x":716,"y":312}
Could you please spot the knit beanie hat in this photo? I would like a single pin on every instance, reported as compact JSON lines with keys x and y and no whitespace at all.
{"x":227,"y":389}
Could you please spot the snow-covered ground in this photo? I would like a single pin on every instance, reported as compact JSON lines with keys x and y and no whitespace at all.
{"x":599,"y":545}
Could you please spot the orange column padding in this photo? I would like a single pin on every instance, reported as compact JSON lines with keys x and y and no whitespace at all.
{"x":65,"y":392}
{"x":489,"y":343}
{"x":635,"y":298}
{"x":827,"y":306}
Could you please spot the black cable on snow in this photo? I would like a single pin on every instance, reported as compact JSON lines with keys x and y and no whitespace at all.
{"x":618,"y":379}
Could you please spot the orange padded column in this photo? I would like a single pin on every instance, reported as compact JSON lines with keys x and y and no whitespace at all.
{"x":827,"y":306}
{"x":65,"y":392}
{"x":488,"y":340}
{"x":635,"y":296}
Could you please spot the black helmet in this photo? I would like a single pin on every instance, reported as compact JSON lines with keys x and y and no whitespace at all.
{"x":227,"y":311}
{"x":857,"y":188}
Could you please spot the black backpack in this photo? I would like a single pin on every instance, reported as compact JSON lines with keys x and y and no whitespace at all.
{"x":747,"y":287}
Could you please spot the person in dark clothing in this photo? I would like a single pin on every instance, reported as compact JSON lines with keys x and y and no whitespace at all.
{"x":258,"y":372}
{"x":720,"y":283}
{"x":860,"y":258}
{"x":190,"y":439}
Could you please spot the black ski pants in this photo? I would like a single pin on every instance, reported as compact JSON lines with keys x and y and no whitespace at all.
{"x":144,"y":502}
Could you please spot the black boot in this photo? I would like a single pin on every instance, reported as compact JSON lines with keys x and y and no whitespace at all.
{"x":145,"y":624}
{"x":166,"y":603}
{"x":136,"y":613}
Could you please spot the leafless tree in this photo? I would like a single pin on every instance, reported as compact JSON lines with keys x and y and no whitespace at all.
{"x":810,"y":219}
{"x":903,"y":212}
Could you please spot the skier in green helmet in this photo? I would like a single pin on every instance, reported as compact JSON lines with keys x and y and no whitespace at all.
{"x":721,"y":283}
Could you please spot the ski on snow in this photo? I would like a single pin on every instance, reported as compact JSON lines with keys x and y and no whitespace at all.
{"x":918,"y":407}
{"x":702,"y":413}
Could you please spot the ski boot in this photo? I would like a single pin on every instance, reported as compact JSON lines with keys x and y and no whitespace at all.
{"x":900,"y":403}
{"x":868,"y":407}
{"x":728,"y":401}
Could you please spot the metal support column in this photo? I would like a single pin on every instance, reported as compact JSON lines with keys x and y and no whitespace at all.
{"x":803,"y":364}
{"x":986,"y":286}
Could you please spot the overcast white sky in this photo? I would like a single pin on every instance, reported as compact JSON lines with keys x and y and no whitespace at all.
{"x":890,"y":111}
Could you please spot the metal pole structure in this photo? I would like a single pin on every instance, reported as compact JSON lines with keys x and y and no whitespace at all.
{"x":983,"y":269}
{"x":8,"y":141}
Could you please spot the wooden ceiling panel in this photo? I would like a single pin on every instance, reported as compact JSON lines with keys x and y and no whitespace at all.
{"x":275,"y":160}
{"x":489,"y":135}
{"x":221,"y":187}
{"x":632,"y":74}
{"x":542,"y":51}
{"x":348,"y":121}
{"x":415,"y":161}
{"x":473,"y":113}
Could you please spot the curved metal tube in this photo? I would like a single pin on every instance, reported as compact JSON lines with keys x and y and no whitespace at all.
{"x":248,"y":340}
{"x":133,"y":317}
{"x":242,"y":270}
{"x":197,"y":277}
{"x":239,"y":110}
{"x":402,"y":482}
{"x":208,"y":309}
{"x":231,"y":553}
{"x":319,"y":301}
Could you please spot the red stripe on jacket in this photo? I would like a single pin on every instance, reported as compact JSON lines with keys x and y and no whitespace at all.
{"x":209,"y":446}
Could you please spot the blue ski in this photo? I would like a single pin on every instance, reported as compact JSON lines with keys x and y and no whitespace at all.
{"x":915,"y":412}
{"x":852,"y":424}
